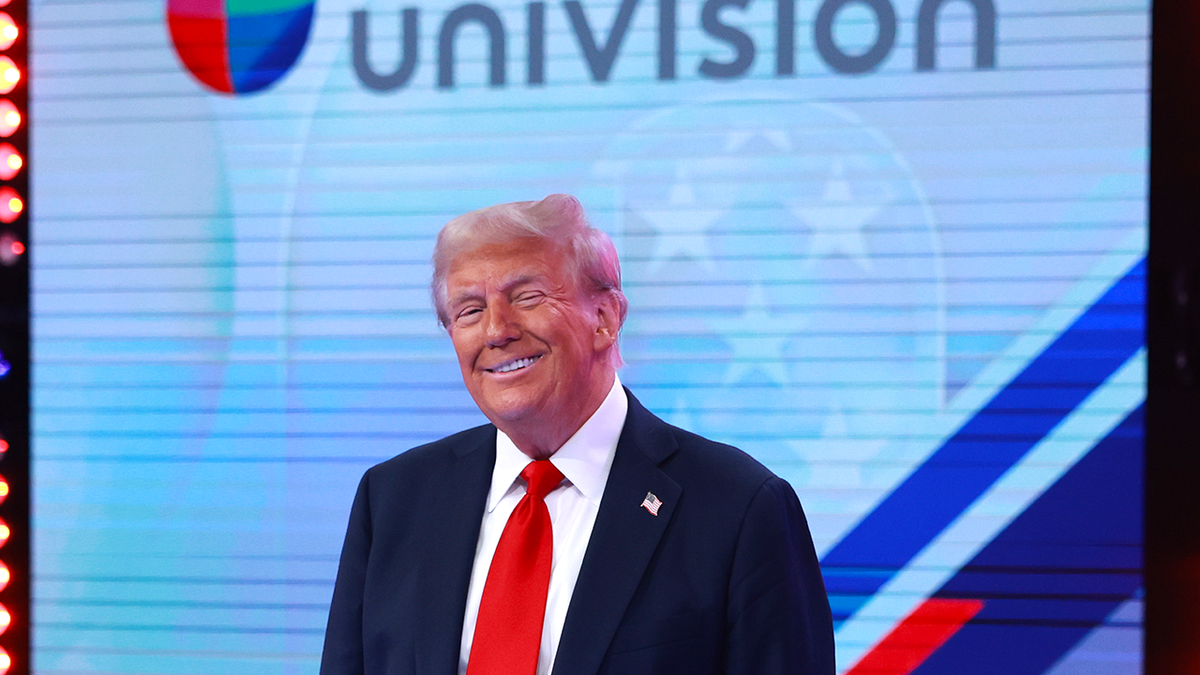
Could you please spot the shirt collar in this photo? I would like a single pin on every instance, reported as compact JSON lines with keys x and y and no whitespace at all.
{"x":585,"y":459}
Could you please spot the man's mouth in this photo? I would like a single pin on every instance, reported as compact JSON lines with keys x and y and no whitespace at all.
{"x":516,"y":364}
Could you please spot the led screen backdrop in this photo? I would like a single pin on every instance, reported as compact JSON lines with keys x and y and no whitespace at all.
{"x":894,"y":249}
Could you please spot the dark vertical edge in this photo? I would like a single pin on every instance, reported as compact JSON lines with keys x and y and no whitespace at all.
{"x":15,"y":386}
{"x":1172,"y":544}
{"x":666,"y":39}
{"x":785,"y":37}
{"x":537,"y":43}
{"x":16,"y":395}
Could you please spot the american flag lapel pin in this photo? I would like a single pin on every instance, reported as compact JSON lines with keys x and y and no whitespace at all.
{"x":651,"y":503}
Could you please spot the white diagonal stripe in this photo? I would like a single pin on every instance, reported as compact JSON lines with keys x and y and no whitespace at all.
{"x":999,"y":505}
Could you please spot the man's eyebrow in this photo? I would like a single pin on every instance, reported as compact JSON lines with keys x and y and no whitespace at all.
{"x":463,"y":296}
{"x":508,"y":284}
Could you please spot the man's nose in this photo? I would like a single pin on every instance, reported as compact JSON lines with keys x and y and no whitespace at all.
{"x":500,"y":324}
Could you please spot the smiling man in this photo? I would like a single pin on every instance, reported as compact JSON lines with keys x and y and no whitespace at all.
{"x":577,"y":533}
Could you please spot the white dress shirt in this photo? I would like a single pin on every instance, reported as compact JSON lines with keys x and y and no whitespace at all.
{"x":584,"y":460}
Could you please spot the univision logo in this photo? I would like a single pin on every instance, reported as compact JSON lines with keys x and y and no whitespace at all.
{"x":239,"y":46}
{"x":243,"y":46}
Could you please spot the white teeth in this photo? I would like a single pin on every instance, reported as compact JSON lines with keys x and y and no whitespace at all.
{"x":515,"y":365}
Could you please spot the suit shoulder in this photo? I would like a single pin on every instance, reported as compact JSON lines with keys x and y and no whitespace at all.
{"x":735,"y":468}
{"x":437,"y":453}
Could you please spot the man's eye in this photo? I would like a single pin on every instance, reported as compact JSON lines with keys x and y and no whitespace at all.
{"x":529,"y":298}
{"x":468,"y":313}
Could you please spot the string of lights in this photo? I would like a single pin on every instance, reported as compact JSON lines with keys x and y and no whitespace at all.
{"x":14,"y":341}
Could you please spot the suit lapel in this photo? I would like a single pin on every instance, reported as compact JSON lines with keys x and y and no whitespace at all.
{"x":623,"y":541}
{"x":453,"y":520}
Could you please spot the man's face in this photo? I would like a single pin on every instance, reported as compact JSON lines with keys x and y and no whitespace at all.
{"x":533,"y":348}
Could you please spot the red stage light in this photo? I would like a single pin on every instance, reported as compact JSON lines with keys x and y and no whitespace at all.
{"x":11,"y":250}
{"x":8,"y":31}
{"x":10,"y":161}
{"x":11,"y":204}
{"x":10,"y":118}
{"x":10,"y":75}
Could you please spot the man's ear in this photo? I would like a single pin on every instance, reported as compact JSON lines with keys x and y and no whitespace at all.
{"x":608,"y":321}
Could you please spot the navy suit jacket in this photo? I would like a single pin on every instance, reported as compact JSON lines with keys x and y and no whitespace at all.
{"x":724,"y":580}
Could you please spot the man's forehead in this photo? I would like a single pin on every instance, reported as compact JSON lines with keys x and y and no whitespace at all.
{"x":471,"y":284}
{"x":517,"y":261}
{"x":477,"y":274}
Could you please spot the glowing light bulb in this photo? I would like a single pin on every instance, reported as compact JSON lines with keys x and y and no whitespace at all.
{"x":5,"y":576}
{"x":8,"y":31}
{"x":5,"y":661}
{"x":10,"y":161}
{"x":11,"y":204}
{"x":3,"y":489}
{"x":5,"y":618}
{"x":10,"y":75}
{"x":3,"y":445}
{"x":5,"y":532}
{"x":10,"y":118}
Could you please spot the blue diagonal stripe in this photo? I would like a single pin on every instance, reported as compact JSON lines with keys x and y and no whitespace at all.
{"x":987,"y":445}
{"x":1058,"y":570}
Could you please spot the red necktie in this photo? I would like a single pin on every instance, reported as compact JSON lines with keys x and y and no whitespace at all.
{"x":508,"y":629}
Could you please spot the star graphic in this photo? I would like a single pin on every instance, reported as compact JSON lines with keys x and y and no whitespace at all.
{"x":682,"y":228}
{"x":837,"y":223}
{"x":776,"y":137}
{"x":836,"y":459}
{"x":758,"y":338}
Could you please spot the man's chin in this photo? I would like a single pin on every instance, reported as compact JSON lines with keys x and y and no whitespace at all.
{"x":509,"y":410}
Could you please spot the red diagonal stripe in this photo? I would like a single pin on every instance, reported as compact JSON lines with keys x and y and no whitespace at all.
{"x":917,"y":637}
